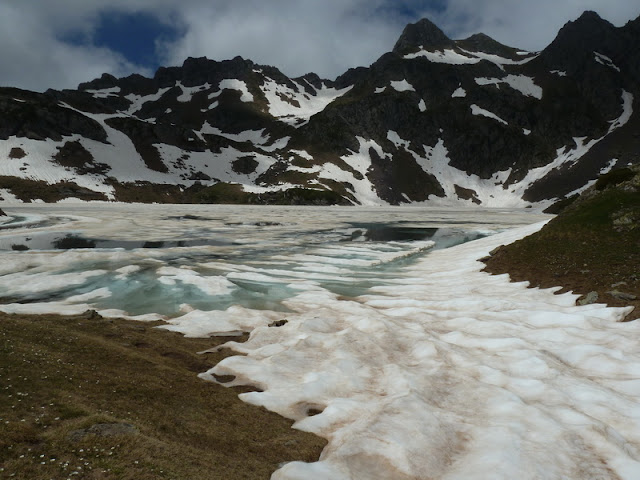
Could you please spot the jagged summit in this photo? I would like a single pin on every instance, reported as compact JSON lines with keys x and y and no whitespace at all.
{"x":105,"y":81}
{"x":578,"y":39}
{"x":198,"y":71}
{"x":481,"y":42}
{"x":633,"y":25}
{"x":590,"y":25}
{"x":589,"y":30}
{"x":423,"y":33}
{"x":588,"y":16}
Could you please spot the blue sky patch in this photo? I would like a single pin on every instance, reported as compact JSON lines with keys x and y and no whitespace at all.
{"x":133,"y":35}
{"x":410,"y":11}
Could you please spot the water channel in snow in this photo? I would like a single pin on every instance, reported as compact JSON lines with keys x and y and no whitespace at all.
{"x":422,"y":366}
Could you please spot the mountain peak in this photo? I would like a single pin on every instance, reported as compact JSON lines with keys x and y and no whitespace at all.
{"x":480,"y":37}
{"x":589,"y":24}
{"x":582,"y":36}
{"x":423,"y":33}
{"x":481,"y":42}
{"x":105,"y":81}
{"x":589,"y":16}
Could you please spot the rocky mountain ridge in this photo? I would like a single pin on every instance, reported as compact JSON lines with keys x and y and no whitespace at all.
{"x":435,"y":120}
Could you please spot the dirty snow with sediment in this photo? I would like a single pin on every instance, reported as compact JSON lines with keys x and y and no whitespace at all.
{"x":452,"y":373}
{"x":422,"y":366}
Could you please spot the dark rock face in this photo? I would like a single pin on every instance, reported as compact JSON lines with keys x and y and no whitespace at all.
{"x":17,"y":152}
{"x":467,"y":194}
{"x":484,"y":43}
{"x":245,"y":165}
{"x":402,"y":176}
{"x":422,"y":34}
{"x":580,"y":37}
{"x":38,"y":117}
{"x":578,"y":50}
{"x":74,"y":155}
{"x":198,"y":71}
{"x":431,"y":110}
{"x":105,"y":81}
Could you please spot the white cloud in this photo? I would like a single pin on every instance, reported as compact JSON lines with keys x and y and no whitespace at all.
{"x":300,"y":36}
{"x":297,"y":36}
{"x":33,"y":57}
{"x":526,"y":24}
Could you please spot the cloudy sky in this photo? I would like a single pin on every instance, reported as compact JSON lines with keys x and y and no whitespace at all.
{"x":58,"y":44}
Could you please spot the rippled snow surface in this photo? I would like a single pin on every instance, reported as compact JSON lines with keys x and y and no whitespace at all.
{"x":422,"y":366}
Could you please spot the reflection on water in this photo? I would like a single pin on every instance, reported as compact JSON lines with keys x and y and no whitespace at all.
{"x":381,"y":232}
{"x":443,"y":237}
{"x":68,"y":241}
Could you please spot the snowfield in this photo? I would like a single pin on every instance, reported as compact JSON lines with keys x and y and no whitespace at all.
{"x":421,"y":365}
{"x":452,"y":373}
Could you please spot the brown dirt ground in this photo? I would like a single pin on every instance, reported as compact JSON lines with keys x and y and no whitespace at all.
{"x":61,"y":376}
{"x":574,"y":270}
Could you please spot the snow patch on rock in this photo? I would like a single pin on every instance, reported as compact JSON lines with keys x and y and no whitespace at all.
{"x":476,"y":110}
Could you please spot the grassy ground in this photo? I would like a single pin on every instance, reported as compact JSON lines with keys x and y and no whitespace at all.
{"x":591,"y":246}
{"x":85,"y":397}
{"x":144,"y":192}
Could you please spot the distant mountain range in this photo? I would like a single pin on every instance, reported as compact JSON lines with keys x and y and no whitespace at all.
{"x":441,"y":121}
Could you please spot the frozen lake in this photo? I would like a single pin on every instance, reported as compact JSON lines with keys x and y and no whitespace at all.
{"x":421,"y":365}
{"x":167,"y":260}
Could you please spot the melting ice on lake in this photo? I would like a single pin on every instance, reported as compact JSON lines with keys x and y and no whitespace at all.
{"x":162,"y":262}
{"x":423,"y":366}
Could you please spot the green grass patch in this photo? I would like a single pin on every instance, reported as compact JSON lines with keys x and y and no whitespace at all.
{"x":28,"y":190}
{"x":223,"y":193}
{"x":234,"y":194}
{"x":145,"y":192}
{"x":560,"y":205}
{"x":614,"y":177}
{"x":596,"y":213}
